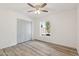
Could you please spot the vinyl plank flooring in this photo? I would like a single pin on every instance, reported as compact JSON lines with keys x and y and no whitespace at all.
{"x":9,"y":52}
{"x":26,"y":49}
{"x":36,"y":48}
{"x":44,"y":48}
{"x":66,"y":50}
{"x":2,"y":53}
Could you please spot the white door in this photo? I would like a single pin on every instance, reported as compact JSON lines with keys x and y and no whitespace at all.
{"x":24,"y":30}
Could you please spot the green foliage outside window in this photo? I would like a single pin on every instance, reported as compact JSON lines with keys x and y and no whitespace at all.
{"x":47,"y":26}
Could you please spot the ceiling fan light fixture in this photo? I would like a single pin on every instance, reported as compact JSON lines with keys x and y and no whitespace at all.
{"x":38,"y":8}
{"x":37,"y":12}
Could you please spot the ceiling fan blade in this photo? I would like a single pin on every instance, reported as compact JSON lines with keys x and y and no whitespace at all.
{"x":30,"y":11}
{"x":43,"y":5}
{"x":31,"y":5}
{"x":44,"y":10}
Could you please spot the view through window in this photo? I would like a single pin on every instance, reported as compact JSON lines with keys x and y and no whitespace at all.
{"x":45,"y":28}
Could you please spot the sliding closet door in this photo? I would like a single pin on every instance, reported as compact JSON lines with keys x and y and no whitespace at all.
{"x":24,"y":31}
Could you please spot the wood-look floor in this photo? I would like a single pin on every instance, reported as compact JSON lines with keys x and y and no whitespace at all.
{"x":34,"y":48}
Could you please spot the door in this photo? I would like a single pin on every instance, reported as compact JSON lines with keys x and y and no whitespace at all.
{"x":24,"y":30}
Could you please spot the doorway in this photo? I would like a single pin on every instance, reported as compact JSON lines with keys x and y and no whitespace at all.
{"x":24,"y":30}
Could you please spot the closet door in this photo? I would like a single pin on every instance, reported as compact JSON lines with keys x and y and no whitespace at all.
{"x":24,"y":31}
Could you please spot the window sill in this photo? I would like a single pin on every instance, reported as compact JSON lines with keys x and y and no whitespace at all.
{"x":46,"y":35}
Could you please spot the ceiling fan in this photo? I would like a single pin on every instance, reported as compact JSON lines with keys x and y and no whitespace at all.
{"x":37,"y":8}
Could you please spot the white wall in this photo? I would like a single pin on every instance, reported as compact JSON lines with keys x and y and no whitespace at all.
{"x":63,"y":30}
{"x":78,"y":28}
{"x":8,"y":27}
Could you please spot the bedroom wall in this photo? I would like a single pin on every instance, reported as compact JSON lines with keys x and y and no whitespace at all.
{"x":8,"y":27}
{"x":78,"y":28}
{"x":63,"y":28}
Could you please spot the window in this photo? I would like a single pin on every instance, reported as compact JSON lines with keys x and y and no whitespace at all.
{"x":45,"y":28}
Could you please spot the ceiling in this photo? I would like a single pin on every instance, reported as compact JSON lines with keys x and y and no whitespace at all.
{"x":51,"y":7}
